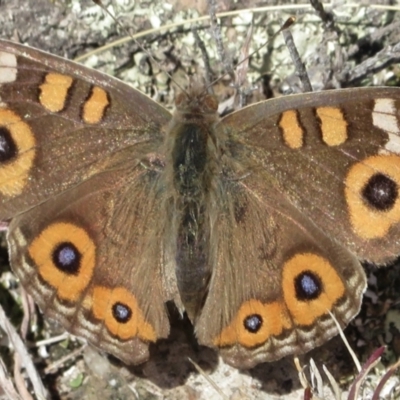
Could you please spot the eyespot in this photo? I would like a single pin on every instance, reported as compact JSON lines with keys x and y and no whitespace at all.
{"x":17,"y":153}
{"x":65,"y":257}
{"x":254,"y":324}
{"x":119,"y":310}
{"x":311,"y":287}
{"x":372,"y":195}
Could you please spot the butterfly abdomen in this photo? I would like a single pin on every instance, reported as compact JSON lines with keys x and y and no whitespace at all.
{"x":193,"y":167}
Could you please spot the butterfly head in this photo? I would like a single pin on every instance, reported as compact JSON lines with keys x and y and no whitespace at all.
{"x":196,"y":102}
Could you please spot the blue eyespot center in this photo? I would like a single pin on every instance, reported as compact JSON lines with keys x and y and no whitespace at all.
{"x":67,"y":258}
{"x":308,"y":286}
{"x":121,"y":312}
{"x":253,"y":323}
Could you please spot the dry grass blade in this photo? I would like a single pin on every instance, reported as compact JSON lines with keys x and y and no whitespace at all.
{"x":19,"y":379}
{"x":353,"y":355}
{"x":188,"y":22}
{"x":208,"y":379}
{"x":384,"y":380}
{"x":303,"y":379}
{"x":216,"y":30}
{"x":334,"y":385}
{"x":6,"y":383}
{"x":316,"y":378}
{"x":370,"y":363}
{"x":25,"y":358}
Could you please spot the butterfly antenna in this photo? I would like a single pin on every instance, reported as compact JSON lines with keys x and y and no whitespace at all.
{"x":215,"y":28}
{"x":102,"y":6}
{"x":288,"y":23}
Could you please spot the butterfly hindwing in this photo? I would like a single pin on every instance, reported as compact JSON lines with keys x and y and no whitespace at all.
{"x":280,"y":274}
{"x":91,"y":261}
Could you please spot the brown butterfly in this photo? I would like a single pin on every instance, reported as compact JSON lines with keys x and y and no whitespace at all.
{"x":253,"y":224}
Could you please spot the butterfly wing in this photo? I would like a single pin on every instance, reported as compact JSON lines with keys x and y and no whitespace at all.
{"x":91,"y":258}
{"x":336,"y":155}
{"x":62,"y":123}
{"x":276,"y":277}
{"x":310,"y":188}
{"x":79,"y":182}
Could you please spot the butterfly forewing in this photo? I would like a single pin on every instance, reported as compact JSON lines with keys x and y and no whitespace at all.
{"x":62,"y":123}
{"x":336,"y":156}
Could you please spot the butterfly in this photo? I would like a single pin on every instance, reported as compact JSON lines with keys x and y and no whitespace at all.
{"x":253,"y":225}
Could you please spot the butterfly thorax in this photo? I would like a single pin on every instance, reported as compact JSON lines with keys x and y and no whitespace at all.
{"x":193,"y":166}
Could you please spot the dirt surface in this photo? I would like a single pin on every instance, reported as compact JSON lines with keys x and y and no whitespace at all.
{"x":352,"y":47}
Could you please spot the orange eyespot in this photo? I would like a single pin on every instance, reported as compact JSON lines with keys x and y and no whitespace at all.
{"x":119,"y":310}
{"x":17,"y":153}
{"x":65,"y":256}
{"x":254,"y":324}
{"x":372,"y":195}
{"x":311,"y":287}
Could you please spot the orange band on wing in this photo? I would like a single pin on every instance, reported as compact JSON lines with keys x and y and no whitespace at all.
{"x":333,"y":125}
{"x":292,"y":131}
{"x":95,"y":106}
{"x":54,"y":91}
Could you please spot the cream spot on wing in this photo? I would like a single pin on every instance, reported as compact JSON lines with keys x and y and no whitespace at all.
{"x":384,"y":117}
{"x":8,"y":67}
